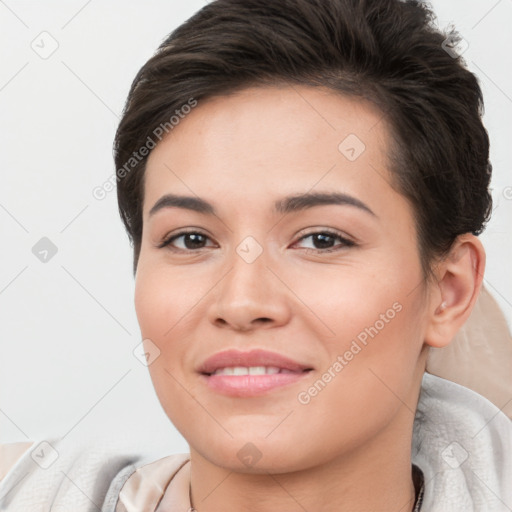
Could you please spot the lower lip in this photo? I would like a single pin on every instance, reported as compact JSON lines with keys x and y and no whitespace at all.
{"x":251,"y":385}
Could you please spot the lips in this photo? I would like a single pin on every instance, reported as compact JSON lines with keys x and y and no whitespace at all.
{"x":281,"y":372}
{"x":252,"y":358}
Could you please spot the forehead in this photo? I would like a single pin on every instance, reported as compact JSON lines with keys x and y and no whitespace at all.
{"x":259,"y":140}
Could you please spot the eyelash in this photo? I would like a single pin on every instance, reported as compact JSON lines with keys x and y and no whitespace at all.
{"x":333,"y":234}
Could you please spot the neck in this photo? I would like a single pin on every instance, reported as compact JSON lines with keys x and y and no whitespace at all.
{"x":377,"y":476}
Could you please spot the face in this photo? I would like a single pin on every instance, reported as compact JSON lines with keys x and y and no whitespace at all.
{"x":332,"y":283}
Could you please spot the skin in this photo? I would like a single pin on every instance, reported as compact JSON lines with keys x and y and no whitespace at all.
{"x":348,"y":448}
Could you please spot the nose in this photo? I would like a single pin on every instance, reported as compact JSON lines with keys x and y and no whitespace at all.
{"x":250,"y":296}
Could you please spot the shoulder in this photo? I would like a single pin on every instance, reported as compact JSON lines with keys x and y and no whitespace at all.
{"x":463,"y":444}
{"x":60,"y":474}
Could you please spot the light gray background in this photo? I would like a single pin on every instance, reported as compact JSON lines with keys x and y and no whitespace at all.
{"x":68,"y":326}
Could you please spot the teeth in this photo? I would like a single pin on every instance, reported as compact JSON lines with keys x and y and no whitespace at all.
{"x":257,"y":370}
{"x":251,"y":370}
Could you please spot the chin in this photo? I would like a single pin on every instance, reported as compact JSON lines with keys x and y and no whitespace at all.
{"x":257,"y":454}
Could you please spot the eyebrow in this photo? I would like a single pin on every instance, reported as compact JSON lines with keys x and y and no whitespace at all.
{"x":285,"y":205}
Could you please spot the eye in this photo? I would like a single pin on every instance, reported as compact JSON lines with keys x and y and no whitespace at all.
{"x":323,"y":241}
{"x":192,"y":240}
{"x":195,"y":240}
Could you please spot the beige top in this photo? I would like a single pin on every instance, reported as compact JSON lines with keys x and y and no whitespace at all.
{"x":10,"y":453}
{"x":163,"y":483}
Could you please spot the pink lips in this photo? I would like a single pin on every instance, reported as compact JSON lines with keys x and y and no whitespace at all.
{"x":250,"y":385}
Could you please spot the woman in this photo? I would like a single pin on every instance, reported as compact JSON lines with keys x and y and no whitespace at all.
{"x":303,"y":183}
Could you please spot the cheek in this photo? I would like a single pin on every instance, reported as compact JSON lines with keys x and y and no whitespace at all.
{"x":374,"y":325}
{"x":167,"y":309}
{"x":362,"y":301}
{"x":164,"y":299}
{"x":152,"y":304}
{"x":369,"y":372}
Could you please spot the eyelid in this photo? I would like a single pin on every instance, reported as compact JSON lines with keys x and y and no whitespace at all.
{"x":328,"y":231}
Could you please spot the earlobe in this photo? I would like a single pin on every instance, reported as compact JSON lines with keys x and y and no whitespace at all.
{"x":459,"y":279}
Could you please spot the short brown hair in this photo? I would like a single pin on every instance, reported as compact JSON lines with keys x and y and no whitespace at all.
{"x":388,"y":52}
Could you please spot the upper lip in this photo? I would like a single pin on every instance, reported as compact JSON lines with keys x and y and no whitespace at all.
{"x":255,"y":357}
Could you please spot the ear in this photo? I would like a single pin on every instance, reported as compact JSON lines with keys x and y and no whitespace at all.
{"x":459,"y":279}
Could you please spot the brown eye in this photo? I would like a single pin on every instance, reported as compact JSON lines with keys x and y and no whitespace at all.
{"x":325,"y":241}
{"x":190,"y":240}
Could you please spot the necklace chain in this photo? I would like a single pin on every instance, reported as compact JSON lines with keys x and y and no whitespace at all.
{"x":419,"y":500}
